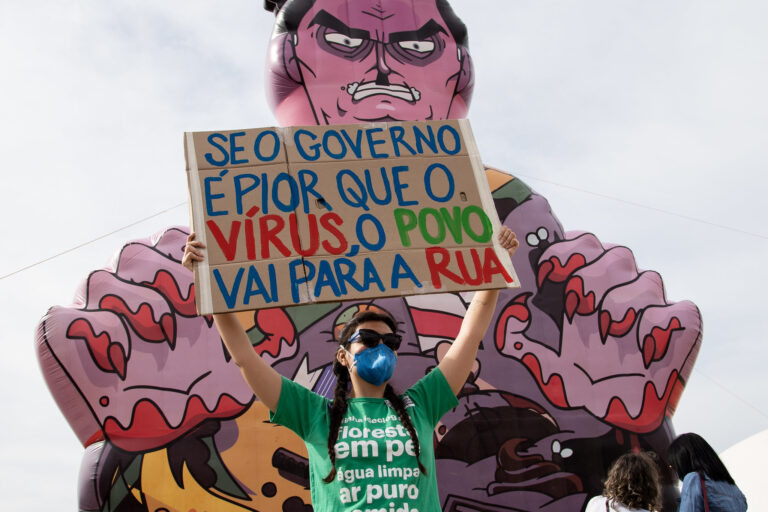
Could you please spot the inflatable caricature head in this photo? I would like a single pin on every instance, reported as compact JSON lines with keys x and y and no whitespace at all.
{"x":342,"y":61}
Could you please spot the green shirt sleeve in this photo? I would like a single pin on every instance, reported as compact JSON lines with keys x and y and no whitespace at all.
{"x":300,"y":410}
{"x":432,"y":396}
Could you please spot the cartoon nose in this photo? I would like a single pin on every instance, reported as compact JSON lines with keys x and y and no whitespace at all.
{"x":382,"y":77}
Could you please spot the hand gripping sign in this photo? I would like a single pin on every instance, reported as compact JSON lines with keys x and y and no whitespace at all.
{"x":316,"y":214}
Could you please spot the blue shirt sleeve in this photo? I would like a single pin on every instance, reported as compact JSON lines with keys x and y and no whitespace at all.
{"x":691,"y":499}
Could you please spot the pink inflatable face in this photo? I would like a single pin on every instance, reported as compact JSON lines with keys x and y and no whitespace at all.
{"x":368,"y":60}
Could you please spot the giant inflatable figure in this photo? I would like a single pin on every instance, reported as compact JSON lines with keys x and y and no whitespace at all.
{"x":586,"y":361}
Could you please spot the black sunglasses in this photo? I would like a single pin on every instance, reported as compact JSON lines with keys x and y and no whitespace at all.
{"x":370,"y":338}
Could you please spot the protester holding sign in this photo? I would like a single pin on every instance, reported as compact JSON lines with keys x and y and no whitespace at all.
{"x":364,"y":446}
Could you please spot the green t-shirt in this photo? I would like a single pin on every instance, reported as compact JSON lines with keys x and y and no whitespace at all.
{"x":377,"y":470}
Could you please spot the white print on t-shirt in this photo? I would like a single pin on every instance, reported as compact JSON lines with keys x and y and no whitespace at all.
{"x":349,"y":476}
{"x":358,"y":440}
{"x":361,"y":446}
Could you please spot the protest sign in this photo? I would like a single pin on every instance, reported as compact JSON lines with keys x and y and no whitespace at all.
{"x":325,"y":213}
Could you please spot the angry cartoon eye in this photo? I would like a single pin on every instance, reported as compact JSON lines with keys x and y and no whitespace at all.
{"x":335,"y":38}
{"x":417,"y":46}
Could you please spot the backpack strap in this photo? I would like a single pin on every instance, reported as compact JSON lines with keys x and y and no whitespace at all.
{"x":704,"y":493}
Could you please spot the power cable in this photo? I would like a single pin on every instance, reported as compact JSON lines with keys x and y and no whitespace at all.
{"x":736,"y":396}
{"x":639,"y":205}
{"x":49,"y":258}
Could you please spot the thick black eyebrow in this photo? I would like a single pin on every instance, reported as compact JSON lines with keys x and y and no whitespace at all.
{"x":429,"y":29}
{"x":327,"y":19}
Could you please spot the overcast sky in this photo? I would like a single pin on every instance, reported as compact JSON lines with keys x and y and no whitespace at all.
{"x":644,"y":122}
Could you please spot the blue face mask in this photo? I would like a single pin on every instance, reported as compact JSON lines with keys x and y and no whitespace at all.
{"x":375,"y":365}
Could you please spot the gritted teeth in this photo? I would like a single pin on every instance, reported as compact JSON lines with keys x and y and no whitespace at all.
{"x":360,"y":91}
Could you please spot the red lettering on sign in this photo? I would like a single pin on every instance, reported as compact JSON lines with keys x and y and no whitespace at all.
{"x":437,"y":261}
{"x":269,"y":235}
{"x":492,"y":266}
{"x":314,"y":237}
{"x":227,"y":245}
{"x":474,"y":281}
{"x":325,"y":221}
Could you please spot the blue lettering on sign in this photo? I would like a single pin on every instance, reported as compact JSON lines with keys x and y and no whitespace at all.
{"x":342,"y":147}
{"x":399,"y":187}
{"x":428,"y":183}
{"x":210,"y":196}
{"x":373,"y":143}
{"x":230,"y":297}
{"x":388,"y":191}
{"x":401,"y":270}
{"x":428,"y":139}
{"x":360,"y":232}
{"x":345,"y":272}
{"x":354,"y":198}
{"x":456,"y":139}
{"x":357,"y":145}
{"x":255,"y":286}
{"x":293,"y":201}
{"x":212,"y":138}
{"x":257,"y":146}
{"x":314,"y":147}
{"x":234,"y":149}
{"x":240,"y":191}
{"x":371,"y":276}
{"x":397,"y":133}
{"x":309,"y":188}
{"x":326,"y":278}
{"x":297,"y":269}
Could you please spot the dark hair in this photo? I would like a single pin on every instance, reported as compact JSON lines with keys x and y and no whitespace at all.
{"x":633,"y":481}
{"x":290,"y":17}
{"x":339,"y":404}
{"x":690,"y":453}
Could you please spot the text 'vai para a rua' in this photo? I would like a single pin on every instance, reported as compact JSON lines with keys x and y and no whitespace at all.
{"x":317,"y":214}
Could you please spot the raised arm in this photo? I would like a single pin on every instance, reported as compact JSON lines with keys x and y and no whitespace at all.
{"x":459,"y":359}
{"x":265,"y":382}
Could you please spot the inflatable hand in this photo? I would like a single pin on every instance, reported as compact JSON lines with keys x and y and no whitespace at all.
{"x":130,"y":361}
{"x":624,"y":352}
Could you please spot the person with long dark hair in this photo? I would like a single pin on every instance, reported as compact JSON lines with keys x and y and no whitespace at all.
{"x":707,"y":484}
{"x":632,"y":485}
{"x":370,"y":448}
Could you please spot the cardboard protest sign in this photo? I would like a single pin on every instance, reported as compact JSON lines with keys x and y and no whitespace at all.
{"x":326,"y":213}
